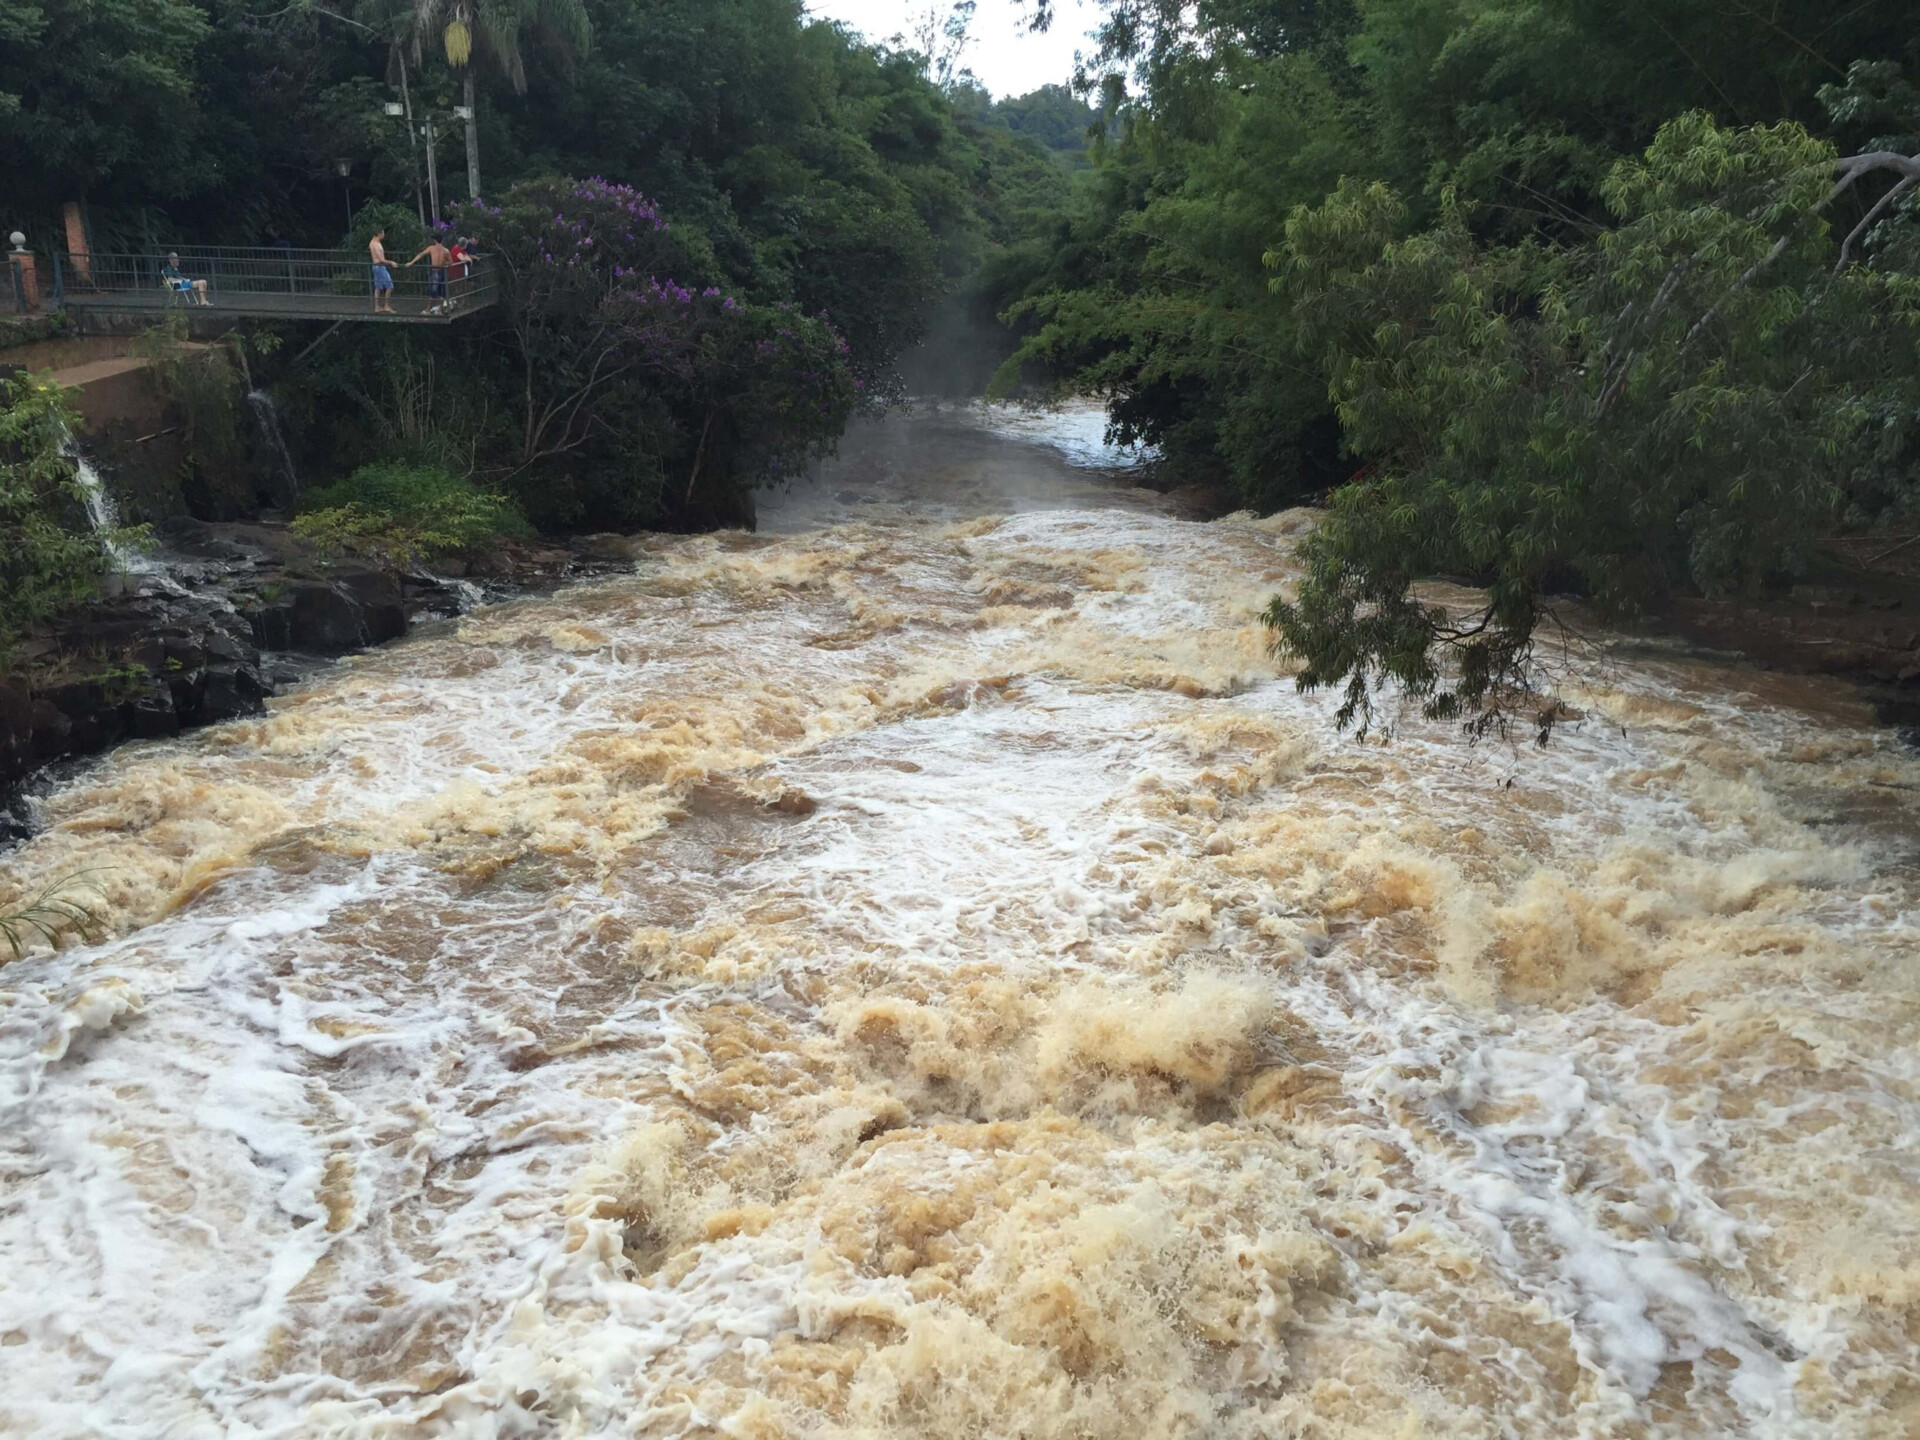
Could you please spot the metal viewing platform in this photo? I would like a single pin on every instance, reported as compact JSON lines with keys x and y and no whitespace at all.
{"x":269,"y":283}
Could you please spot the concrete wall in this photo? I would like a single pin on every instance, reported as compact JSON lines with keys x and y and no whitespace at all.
{"x":64,"y":353}
{"x":137,"y":437}
{"x":129,"y":429}
{"x":134,"y":435}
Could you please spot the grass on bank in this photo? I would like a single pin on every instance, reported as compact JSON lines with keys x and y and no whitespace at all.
{"x":54,"y":911}
{"x":402,"y":514}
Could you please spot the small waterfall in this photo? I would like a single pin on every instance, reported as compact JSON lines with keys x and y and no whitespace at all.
{"x":284,"y":483}
{"x":101,"y":510}
{"x":105,"y":515}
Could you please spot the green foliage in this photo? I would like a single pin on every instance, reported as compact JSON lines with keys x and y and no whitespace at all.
{"x":405,"y":234}
{"x":1219,"y":118}
{"x":45,"y":566}
{"x":1052,"y":116}
{"x":374,"y":535}
{"x":400,"y":514}
{"x":95,"y":89}
{"x":1155,"y":297}
{"x":1680,"y":402}
{"x":1566,"y":280}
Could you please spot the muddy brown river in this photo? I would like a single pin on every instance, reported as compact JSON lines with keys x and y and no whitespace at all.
{"x":922,"y":970}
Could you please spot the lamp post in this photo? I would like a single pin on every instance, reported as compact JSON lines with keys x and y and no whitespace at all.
{"x":344,"y":169}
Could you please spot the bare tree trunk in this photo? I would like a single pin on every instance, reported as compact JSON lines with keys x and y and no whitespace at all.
{"x":700,"y":455}
{"x":413,"y":136}
{"x":473,"y":139}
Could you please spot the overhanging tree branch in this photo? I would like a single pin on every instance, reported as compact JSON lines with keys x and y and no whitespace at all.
{"x":1851,"y":168}
{"x":1866,"y":223}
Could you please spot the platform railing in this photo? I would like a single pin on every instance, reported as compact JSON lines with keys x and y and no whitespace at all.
{"x":269,"y":280}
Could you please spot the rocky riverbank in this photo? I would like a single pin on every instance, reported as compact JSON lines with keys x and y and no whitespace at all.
{"x":230,"y":613}
{"x":1859,"y":621}
{"x":218,"y":620}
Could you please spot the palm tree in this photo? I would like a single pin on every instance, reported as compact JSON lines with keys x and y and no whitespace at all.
{"x":497,"y":26}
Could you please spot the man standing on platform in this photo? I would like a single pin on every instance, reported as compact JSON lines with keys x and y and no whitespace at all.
{"x":382,"y":276}
{"x":437,"y":256}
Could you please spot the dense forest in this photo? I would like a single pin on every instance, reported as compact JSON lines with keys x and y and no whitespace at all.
{"x":1554,"y":296}
{"x":721,"y":225}
{"x":1559,"y":297}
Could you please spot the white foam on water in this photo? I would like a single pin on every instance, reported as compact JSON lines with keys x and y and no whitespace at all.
{"x":1076,"y":429}
{"x":921,"y":977}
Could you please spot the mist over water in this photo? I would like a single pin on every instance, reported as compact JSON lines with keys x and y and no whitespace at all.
{"x":922,"y":970}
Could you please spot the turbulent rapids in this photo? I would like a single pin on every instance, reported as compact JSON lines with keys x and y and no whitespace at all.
{"x":922,"y":970}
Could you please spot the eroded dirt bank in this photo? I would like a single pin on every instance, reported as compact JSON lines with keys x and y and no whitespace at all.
{"x":923,"y":971}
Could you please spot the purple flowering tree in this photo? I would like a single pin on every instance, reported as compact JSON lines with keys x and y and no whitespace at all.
{"x":621,"y":344}
{"x":561,"y":248}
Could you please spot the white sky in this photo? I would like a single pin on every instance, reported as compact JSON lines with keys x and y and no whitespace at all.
{"x":1007,"y":60}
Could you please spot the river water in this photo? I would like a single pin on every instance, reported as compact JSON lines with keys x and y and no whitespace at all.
{"x":923,"y":970}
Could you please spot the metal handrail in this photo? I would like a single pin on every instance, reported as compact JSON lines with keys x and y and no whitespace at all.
{"x":258,"y":252}
{"x":231,"y":276}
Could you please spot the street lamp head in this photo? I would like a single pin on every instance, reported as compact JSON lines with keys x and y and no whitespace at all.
{"x":343,"y":168}
{"x":18,"y":240}
{"x":395,"y":109}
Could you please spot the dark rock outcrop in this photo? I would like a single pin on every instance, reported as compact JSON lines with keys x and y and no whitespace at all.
{"x":152,"y":661}
{"x":17,"y":755}
{"x":343,"y":611}
{"x":201,"y":640}
{"x":323,"y":618}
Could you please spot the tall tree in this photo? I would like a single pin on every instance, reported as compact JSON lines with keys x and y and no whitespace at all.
{"x":498,"y":29}
{"x":1690,"y":399}
{"x":93,"y":92}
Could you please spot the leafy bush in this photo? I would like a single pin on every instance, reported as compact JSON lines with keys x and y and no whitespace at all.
{"x":371,"y":534}
{"x":44,"y":566}
{"x":405,"y":235}
{"x":400,"y":513}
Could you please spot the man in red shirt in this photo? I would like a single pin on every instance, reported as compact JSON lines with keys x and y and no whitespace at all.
{"x":461,"y":257}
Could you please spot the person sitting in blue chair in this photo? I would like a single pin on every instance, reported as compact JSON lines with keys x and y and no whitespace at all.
{"x":187,"y":289}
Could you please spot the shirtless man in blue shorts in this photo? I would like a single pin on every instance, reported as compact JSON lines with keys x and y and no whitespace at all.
{"x":382,"y":276}
{"x":437,"y":257}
